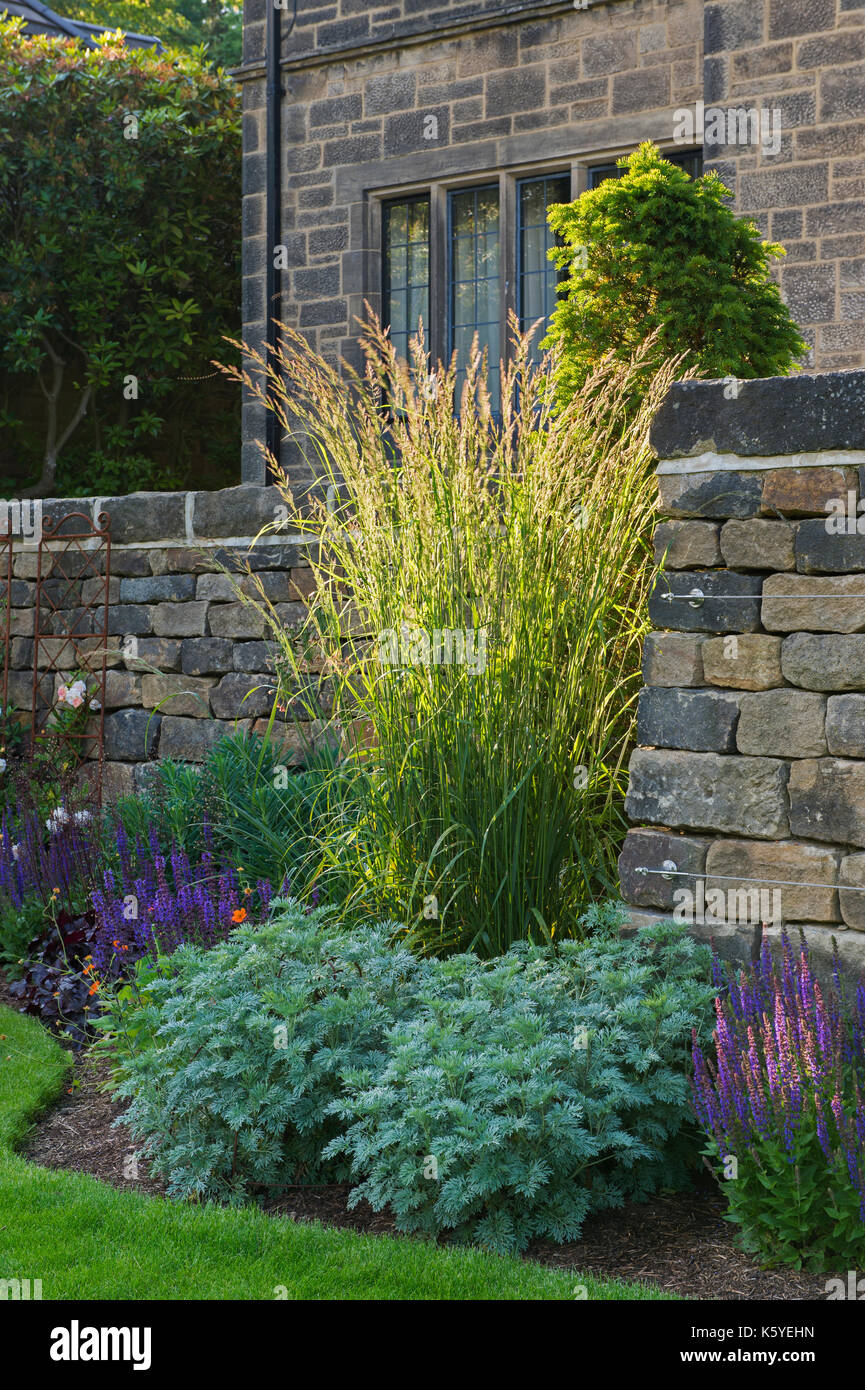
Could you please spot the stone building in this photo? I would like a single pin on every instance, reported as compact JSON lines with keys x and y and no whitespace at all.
{"x":418,"y":142}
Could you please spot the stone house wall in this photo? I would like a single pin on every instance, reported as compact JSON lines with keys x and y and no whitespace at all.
{"x":750,"y":770}
{"x":385,"y":99}
{"x":805,"y":59}
{"x":187,"y":660}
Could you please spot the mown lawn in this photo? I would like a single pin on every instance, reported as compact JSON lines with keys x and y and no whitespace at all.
{"x":87,"y":1240}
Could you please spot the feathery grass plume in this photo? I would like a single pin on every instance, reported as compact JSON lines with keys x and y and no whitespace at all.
{"x":475,"y":627}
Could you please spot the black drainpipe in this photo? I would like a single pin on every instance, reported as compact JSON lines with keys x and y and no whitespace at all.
{"x":273,"y":210}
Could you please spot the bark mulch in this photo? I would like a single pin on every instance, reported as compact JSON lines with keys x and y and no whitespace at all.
{"x":677,"y":1241}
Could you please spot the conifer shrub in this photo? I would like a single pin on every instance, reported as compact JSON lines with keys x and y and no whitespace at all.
{"x":657,"y":252}
{"x":488,"y":1101}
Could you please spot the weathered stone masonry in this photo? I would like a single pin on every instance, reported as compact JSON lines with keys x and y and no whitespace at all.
{"x":750,"y":770}
{"x":188,"y":661}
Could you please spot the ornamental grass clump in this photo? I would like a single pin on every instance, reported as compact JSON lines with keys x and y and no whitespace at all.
{"x":783,"y":1104}
{"x":478,"y":601}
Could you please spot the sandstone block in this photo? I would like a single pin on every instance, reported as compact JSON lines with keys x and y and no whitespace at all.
{"x":827,"y":800}
{"x":734,"y":864}
{"x":706,"y":601}
{"x":706,"y":791}
{"x":712,"y":495}
{"x":653,"y":849}
{"x":673,"y":658}
{"x":177,"y":695}
{"x":852,"y":877}
{"x":180,"y":619}
{"x":131,"y":735}
{"x":782,"y":724}
{"x":824,"y":663}
{"x":808,"y":603}
{"x":758,"y":545}
{"x":845,"y":725}
{"x":750,"y":661}
{"x":805,"y":491}
{"x":682,"y":545}
{"x":236,"y":620}
{"x":820,"y":550}
{"x":206,"y":656}
{"x":701,"y":720}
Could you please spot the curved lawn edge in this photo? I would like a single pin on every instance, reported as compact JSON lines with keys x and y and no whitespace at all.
{"x":87,"y":1240}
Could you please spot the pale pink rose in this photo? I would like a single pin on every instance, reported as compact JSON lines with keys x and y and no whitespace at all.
{"x":75,"y":701}
{"x":62,"y":693}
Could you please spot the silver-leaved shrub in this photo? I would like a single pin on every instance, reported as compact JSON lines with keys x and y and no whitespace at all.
{"x":490,"y":1101}
{"x":526,"y":1092}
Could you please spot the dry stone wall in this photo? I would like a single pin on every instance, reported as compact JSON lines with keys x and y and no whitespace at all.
{"x":748,"y":784}
{"x":187,"y":659}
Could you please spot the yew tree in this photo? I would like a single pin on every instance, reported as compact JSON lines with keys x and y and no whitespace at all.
{"x":656,"y":251}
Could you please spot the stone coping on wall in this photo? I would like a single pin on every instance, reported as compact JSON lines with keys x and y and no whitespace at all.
{"x":226,"y":516}
{"x":806,"y":413}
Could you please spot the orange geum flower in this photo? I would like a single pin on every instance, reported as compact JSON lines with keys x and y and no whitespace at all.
{"x":94,"y":988}
{"x":239,"y":915}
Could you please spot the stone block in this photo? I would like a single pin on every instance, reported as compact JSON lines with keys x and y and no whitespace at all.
{"x":217,"y":586}
{"x":207,"y":656}
{"x":706,"y":601}
{"x":118,"y":779}
{"x":673,"y":658}
{"x":236,"y":511}
{"x":712,"y":495}
{"x":682,"y":545}
{"x":244,"y":696}
{"x":824,"y":663}
{"x":122,"y":689}
{"x":805,"y":491}
{"x":827,"y":800}
{"x":190,"y":740}
{"x":852,"y":876}
{"x":131,"y":563}
{"x":746,"y":661}
{"x":811,"y":603}
{"x":707,"y":791}
{"x":146,"y":516}
{"x":845,"y":725}
{"x":703,"y":721}
{"x":180,"y":619}
{"x":758,"y":545}
{"x":158,"y":588}
{"x":131,"y":735}
{"x":823,"y":551}
{"x":237,"y":620}
{"x":130,"y":619}
{"x":185,"y":696}
{"x":810,"y":412}
{"x":255,"y":656}
{"x":653,"y":849}
{"x":161,"y":653}
{"x":782,"y":724}
{"x":733,"y":864}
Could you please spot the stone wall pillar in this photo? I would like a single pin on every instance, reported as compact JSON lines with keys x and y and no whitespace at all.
{"x":747,"y":789}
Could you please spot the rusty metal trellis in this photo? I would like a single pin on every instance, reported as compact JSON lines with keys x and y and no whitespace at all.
{"x":70,"y":636}
{"x":6,"y":566}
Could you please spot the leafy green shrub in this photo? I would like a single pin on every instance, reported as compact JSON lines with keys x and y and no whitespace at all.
{"x":545,"y":1085}
{"x":658,"y":252}
{"x":117,"y":288}
{"x":479,"y":606}
{"x":232,"y":1056}
{"x":523,"y":1094}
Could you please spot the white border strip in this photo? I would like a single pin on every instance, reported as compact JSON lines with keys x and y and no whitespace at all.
{"x":752,"y":463}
